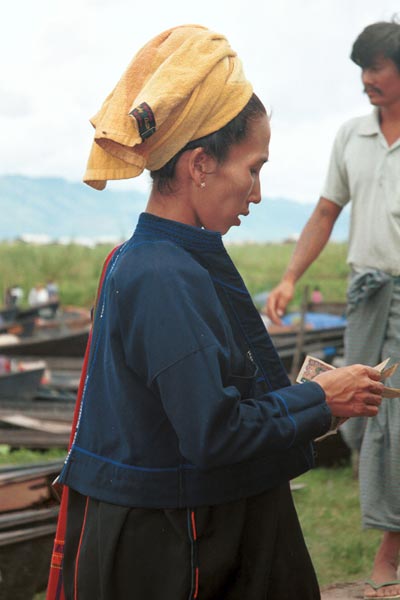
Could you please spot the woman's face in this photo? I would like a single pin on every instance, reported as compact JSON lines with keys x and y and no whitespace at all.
{"x":232,"y":186}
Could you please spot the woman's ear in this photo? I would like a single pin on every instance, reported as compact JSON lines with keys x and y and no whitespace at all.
{"x":200,"y":165}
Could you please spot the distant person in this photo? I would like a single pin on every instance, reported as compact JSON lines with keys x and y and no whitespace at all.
{"x":9,"y":300}
{"x":316,"y":296}
{"x":5,"y":365}
{"x":365,"y":169}
{"x":53,"y":291}
{"x":13,"y":296}
{"x":38,"y":295}
{"x":17,"y":294}
{"x":177,"y":480}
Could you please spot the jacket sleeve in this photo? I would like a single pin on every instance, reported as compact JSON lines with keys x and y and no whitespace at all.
{"x":216,"y":426}
{"x":178,"y":339}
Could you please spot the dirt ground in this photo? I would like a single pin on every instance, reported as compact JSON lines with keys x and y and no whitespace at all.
{"x":343,"y":591}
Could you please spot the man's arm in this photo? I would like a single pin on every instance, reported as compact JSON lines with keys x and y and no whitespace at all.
{"x":312,"y":241}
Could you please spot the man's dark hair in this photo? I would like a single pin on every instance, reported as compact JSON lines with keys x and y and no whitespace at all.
{"x":215,"y":144}
{"x":382,"y":38}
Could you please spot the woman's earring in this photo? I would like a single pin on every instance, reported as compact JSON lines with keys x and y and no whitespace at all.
{"x":203,"y":184}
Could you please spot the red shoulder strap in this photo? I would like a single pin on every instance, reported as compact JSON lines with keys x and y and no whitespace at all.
{"x":55,"y":589}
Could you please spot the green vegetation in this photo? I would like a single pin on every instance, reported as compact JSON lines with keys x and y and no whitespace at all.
{"x":25,"y":456}
{"x":262,"y":266}
{"x":76,"y":269}
{"x":328,"y":508}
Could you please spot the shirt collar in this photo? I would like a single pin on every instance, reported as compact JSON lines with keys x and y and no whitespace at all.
{"x":370,"y":124}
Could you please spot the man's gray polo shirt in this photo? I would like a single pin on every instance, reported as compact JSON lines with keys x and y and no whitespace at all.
{"x":363,"y":169}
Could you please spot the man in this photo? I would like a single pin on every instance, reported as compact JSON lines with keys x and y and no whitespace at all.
{"x":365,"y":169}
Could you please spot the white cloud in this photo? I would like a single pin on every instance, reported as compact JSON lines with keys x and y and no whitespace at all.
{"x":62,"y":59}
{"x":14,"y":104}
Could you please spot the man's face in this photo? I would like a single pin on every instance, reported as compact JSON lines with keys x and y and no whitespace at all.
{"x":381,"y":82}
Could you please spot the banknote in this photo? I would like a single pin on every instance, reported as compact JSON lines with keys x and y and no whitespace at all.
{"x":311,"y":368}
{"x":385,"y":373}
{"x":382,"y":365}
{"x":314,"y":366}
{"x":389,"y":392}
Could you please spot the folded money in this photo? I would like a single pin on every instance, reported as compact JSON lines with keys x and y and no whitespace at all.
{"x":385,"y":373}
{"x":311,"y":368}
{"x":391,"y":392}
{"x":314,"y":366}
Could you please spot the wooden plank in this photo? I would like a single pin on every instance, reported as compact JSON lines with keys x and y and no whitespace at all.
{"x":16,"y":536}
{"x":25,"y":438}
{"x":28,"y":422}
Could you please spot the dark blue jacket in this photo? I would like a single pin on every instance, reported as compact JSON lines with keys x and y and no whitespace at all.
{"x":186,"y":402}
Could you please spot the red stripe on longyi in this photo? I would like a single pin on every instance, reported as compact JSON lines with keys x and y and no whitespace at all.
{"x":196,"y":570}
{"x":193,"y":519}
{"x":79,"y":551}
{"x":196,"y":583}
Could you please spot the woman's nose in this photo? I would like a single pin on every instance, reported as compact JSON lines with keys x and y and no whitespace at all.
{"x":255,"y":195}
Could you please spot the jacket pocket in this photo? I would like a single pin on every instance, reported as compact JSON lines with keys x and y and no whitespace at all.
{"x":245,"y":382}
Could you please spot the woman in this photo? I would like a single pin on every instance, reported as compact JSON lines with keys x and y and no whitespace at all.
{"x":189,"y":430}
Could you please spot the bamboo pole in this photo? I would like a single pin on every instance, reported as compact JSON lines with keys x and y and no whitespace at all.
{"x":300,"y":336}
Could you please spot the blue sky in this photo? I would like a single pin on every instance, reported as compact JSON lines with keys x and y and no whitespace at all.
{"x":61,"y":59}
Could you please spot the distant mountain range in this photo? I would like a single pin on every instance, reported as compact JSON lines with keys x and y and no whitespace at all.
{"x":59,"y":209}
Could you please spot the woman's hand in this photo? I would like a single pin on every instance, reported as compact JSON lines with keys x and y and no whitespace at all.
{"x":352,"y":391}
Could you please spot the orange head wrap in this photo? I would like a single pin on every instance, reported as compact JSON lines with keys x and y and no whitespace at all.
{"x":182,"y":85}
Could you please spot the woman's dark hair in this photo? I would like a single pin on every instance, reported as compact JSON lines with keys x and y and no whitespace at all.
{"x":382,"y":38}
{"x":215,"y":144}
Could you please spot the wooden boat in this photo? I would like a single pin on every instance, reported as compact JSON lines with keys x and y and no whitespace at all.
{"x":8,"y":314}
{"x":42,"y":419}
{"x":332,"y":308}
{"x":46,"y":310}
{"x":37,"y":333}
{"x":28,"y":517}
{"x":63,"y":393}
{"x":19,"y":429}
{"x":71,"y":343}
{"x":34,"y":414}
{"x":28,"y":486}
{"x":324,"y":343}
{"x":21,"y":384}
{"x":68,"y":319}
{"x":26,"y":542}
{"x":22,"y":327}
{"x":39,"y":422}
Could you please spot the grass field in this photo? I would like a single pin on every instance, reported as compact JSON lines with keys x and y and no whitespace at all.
{"x":328,"y":509}
{"x":76,"y":269}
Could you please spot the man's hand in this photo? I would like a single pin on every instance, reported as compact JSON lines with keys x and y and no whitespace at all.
{"x":353,"y":391}
{"x":278,"y":300}
{"x":311,"y":242}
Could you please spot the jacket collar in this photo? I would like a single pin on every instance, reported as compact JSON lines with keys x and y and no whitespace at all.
{"x":210,"y":252}
{"x":187,"y":236}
